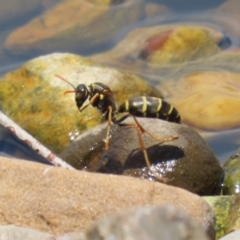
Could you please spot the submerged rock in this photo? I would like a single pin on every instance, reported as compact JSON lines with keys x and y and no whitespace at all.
{"x":13,"y":11}
{"x":207,"y":100}
{"x":33,"y":96}
{"x":161,"y":51}
{"x":186,"y":162}
{"x":179,"y":45}
{"x":89,"y":27}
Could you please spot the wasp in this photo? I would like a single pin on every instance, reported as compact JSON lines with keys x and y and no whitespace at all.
{"x":102,"y":97}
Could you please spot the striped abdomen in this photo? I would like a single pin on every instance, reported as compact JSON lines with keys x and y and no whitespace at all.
{"x":151,"y":107}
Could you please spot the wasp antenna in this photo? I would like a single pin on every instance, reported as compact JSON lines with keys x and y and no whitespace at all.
{"x":65,"y":80}
{"x":66,"y":92}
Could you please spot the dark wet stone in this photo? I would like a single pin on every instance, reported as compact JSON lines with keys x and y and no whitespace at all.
{"x":186,"y":162}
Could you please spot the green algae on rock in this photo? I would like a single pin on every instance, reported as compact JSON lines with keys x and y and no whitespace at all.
{"x":226,"y":209}
{"x":33,"y":96}
{"x":183,"y":44}
{"x":233,"y":222}
{"x":231,"y":184}
{"x":220,"y":206}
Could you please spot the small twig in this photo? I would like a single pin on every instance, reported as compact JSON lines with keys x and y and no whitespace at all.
{"x":32,"y":142}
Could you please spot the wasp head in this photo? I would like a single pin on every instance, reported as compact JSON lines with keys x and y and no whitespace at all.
{"x":81,"y":94}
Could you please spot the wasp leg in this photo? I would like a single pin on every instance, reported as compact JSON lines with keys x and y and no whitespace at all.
{"x":109,"y":126}
{"x":110,"y":120}
{"x":143,"y":149}
{"x":85,"y":119}
{"x":90,"y":102}
{"x":167,"y":139}
{"x":118,"y":121}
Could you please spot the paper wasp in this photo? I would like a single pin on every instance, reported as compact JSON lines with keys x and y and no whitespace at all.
{"x":101,"y":97}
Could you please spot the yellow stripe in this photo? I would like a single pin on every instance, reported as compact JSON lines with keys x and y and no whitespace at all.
{"x":127,"y":105}
{"x":159,"y":104}
{"x":144,"y":107}
{"x":170,"y":110}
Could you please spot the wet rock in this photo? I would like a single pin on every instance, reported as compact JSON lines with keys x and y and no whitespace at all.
{"x":58,"y":201}
{"x":41,"y":107}
{"x":186,"y":162}
{"x":9,"y":232}
{"x":14,"y":11}
{"x":86,"y":30}
{"x":148,"y":223}
{"x":202,"y":105}
{"x":231,"y":184}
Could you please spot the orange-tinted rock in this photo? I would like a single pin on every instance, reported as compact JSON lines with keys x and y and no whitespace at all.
{"x":207,"y":100}
{"x":57,"y":200}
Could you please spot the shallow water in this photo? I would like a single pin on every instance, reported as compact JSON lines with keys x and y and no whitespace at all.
{"x":223,"y":143}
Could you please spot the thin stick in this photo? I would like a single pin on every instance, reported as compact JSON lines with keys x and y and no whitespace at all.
{"x":32,"y":142}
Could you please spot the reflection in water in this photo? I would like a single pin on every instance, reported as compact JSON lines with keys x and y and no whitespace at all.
{"x":109,"y":29}
{"x":10,"y":145}
{"x":223,"y":144}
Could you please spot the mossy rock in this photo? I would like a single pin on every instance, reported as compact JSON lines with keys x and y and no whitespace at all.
{"x":33,"y":96}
